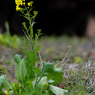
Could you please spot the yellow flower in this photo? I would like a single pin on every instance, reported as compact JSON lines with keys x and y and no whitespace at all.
{"x":18,"y":3}
{"x":28,"y":4}
{"x":6,"y":93}
{"x":78,"y":60}
{"x":17,"y":8}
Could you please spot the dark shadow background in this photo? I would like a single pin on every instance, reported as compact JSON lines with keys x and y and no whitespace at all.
{"x":54,"y":16}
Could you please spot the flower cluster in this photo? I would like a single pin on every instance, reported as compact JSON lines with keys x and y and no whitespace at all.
{"x":18,"y":3}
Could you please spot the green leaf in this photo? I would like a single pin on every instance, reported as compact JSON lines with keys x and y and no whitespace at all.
{"x":30,"y":63}
{"x":30,"y":69}
{"x":21,"y":70}
{"x":3,"y":81}
{"x":56,"y":74}
{"x":50,"y":81}
{"x":25,"y":93}
{"x":17,"y":58}
{"x":57,"y":90}
{"x":32,"y":91}
{"x":11,"y":92}
{"x":36,"y":92}
{"x":46,"y":66}
{"x":32,"y":57}
{"x":43,"y":80}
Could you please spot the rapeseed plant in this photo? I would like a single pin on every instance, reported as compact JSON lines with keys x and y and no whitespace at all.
{"x":34,"y":78}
